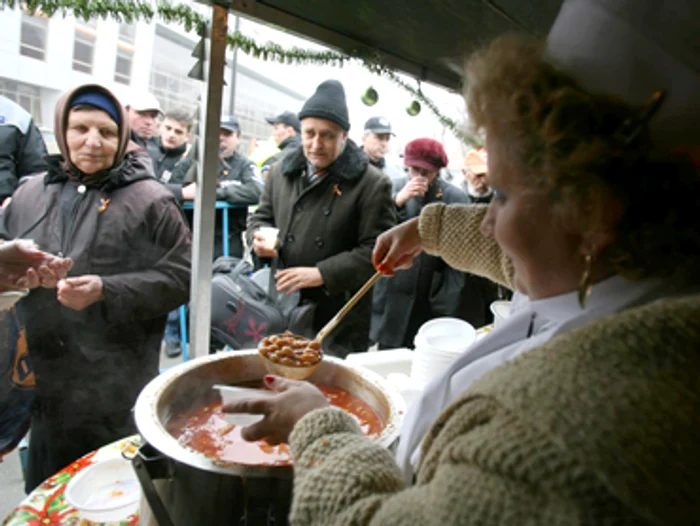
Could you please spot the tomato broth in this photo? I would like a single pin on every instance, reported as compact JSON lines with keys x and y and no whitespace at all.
{"x":205,"y":429}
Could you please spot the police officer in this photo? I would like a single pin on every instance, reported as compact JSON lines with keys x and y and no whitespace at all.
{"x":236,"y":185}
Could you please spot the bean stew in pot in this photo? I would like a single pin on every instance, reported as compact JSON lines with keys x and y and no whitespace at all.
{"x":205,"y":429}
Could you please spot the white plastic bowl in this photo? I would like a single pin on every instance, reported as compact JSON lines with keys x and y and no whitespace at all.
{"x":105,"y":492}
{"x":445,"y":335}
{"x":438,"y":343}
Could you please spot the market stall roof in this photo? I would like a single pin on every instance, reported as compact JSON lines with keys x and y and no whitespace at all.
{"x":427,"y":39}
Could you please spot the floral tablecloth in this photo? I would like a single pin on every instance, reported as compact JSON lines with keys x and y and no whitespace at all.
{"x":45,"y":506}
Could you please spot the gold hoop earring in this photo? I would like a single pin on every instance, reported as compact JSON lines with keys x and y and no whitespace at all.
{"x":585,"y":287}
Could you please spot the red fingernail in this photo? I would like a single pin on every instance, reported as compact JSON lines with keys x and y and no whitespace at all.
{"x":269,"y":379}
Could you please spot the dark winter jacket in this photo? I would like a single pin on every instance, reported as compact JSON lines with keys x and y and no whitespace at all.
{"x":236,"y":185}
{"x":331,"y":224}
{"x":166,"y":161}
{"x":427,"y":290}
{"x":22,"y":149}
{"x":140,"y":141}
{"x":125,"y":227}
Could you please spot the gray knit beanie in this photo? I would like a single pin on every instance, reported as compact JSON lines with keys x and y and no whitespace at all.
{"x":328,"y":103}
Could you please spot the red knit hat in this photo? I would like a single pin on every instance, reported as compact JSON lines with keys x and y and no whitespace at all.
{"x":425,"y":153}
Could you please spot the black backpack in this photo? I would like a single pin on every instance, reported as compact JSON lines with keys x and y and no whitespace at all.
{"x":242,"y":313}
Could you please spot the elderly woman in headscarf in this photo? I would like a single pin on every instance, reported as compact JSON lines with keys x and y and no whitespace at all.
{"x":583,"y":407}
{"x":94,"y":337}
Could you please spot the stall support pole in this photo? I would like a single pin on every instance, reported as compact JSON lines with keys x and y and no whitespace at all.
{"x":205,"y":201}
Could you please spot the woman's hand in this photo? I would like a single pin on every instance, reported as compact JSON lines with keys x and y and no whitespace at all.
{"x":54,"y":270}
{"x":80,"y":292}
{"x":397,"y":248}
{"x":282,"y":412}
{"x":23,"y":265}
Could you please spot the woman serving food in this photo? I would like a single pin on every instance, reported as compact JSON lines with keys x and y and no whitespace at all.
{"x":566,"y":413}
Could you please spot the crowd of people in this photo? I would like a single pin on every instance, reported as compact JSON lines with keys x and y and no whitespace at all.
{"x":167,"y":137}
{"x":106,"y":218}
{"x":565,"y":414}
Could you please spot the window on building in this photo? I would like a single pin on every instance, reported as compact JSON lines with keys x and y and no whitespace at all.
{"x":169,"y":81}
{"x":84,"y":47}
{"x":26,"y":95}
{"x":33,"y":36}
{"x":251,"y":112}
{"x":127,"y":33}
{"x":125,"y":53}
{"x":122,"y":70}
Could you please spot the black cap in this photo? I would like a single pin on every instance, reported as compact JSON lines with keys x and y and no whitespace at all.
{"x":378,"y":125}
{"x":288,"y":118}
{"x":328,"y":103}
{"x":230,"y":123}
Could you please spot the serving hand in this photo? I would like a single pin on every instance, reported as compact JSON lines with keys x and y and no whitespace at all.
{"x":295,"y":398}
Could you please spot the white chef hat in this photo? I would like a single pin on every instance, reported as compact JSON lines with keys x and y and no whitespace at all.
{"x":633,"y":48}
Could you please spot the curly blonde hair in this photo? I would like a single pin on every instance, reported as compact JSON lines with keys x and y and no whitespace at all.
{"x":568,"y":142}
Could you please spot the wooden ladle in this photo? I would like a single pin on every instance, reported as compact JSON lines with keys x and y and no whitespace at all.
{"x":300,"y":372}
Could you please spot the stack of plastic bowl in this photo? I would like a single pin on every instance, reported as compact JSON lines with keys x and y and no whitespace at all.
{"x":438,"y":343}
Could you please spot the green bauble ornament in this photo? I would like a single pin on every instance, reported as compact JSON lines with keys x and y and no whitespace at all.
{"x":370,"y":96}
{"x":413,"y":109}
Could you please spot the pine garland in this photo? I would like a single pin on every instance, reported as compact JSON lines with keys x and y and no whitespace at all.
{"x":132,"y":10}
{"x":121,"y":10}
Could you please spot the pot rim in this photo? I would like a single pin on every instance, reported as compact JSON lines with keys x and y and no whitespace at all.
{"x":153,"y":431}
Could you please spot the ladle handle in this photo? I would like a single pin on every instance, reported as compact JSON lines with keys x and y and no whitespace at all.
{"x":328,"y":327}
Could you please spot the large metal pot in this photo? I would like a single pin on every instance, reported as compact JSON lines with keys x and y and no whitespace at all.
{"x":202,"y":490}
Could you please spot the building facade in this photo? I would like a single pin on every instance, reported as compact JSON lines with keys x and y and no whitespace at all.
{"x":44,"y":57}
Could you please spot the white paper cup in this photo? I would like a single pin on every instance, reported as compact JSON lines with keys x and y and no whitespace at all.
{"x":501,"y":312}
{"x":269,"y":234}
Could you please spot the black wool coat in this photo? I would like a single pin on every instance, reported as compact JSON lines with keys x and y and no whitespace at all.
{"x":331,"y":224}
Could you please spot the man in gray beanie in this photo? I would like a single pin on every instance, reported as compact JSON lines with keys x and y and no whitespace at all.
{"x":329,"y":205}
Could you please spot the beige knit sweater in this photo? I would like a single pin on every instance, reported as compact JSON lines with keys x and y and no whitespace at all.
{"x":598,"y":426}
{"x":452,"y":232}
